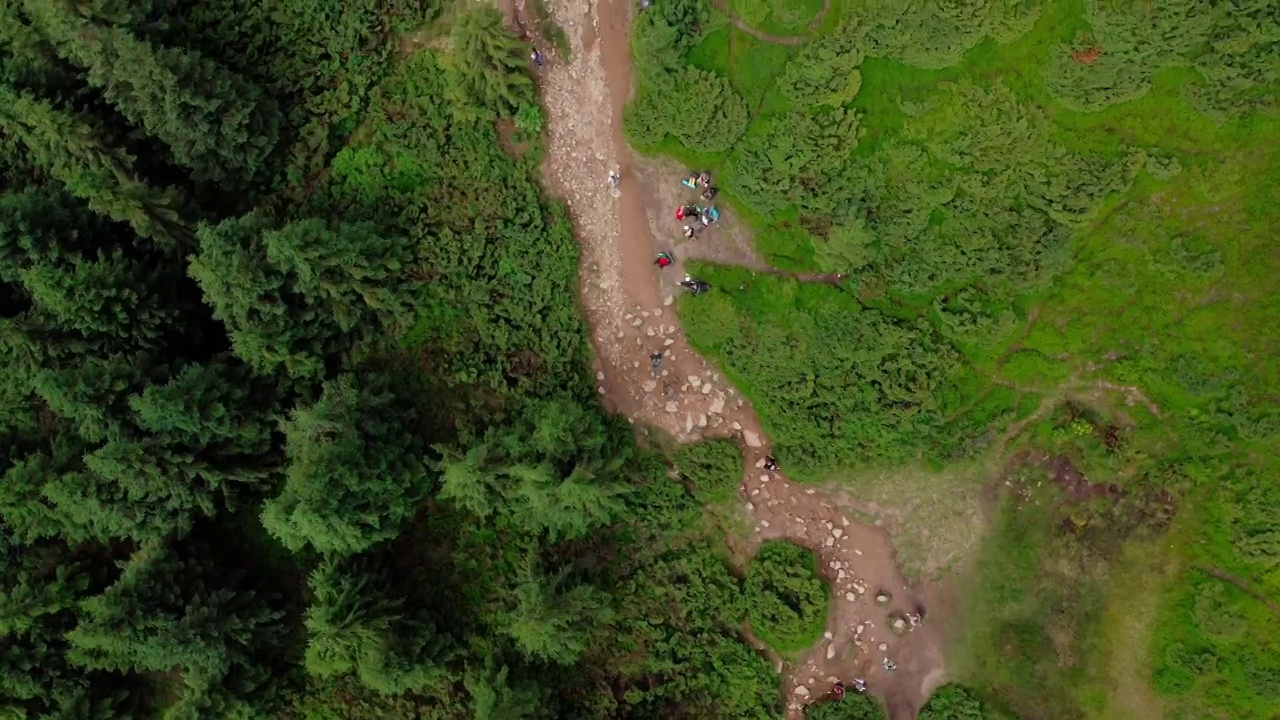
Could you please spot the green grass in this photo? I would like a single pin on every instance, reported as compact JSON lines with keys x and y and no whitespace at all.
{"x":1073,"y":610}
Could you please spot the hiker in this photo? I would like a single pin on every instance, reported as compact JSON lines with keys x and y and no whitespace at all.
{"x":687,"y":211}
{"x":655,"y":363}
{"x":708,"y":215}
{"x":770,"y":463}
{"x":536,"y":57}
{"x":860,"y":685}
{"x":691,"y":181}
{"x":704,"y":179}
{"x":689,"y":232}
{"x":696,"y":287}
{"x":709,"y":194}
{"x":614,"y":179}
{"x":837,"y":690}
{"x":890,"y":665}
{"x":664,"y":259}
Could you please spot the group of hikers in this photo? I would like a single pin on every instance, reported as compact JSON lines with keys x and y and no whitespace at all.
{"x":696,"y":218}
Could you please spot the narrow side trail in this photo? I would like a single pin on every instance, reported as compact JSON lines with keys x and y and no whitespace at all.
{"x":628,"y":304}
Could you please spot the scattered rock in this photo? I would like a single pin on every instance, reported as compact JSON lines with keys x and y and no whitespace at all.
{"x":637,"y":322}
{"x":702,"y":420}
{"x":764,"y":523}
{"x":831,"y":651}
{"x":672,"y":407}
{"x":657,"y":313}
{"x":694,"y":380}
{"x":751,"y":439}
{"x":882,"y":647}
{"x":599,"y":374}
{"x":648,"y":332}
{"x":600,"y":389}
{"x":706,"y":389}
{"x":837,"y":532}
{"x":717,"y":406}
{"x":827,"y":634}
{"x":668,"y":300}
{"x":668,"y":342}
{"x":801,"y":691}
{"x":736,"y":425}
{"x":649,"y":385}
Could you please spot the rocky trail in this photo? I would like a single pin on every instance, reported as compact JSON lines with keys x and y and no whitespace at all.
{"x":629,"y":305}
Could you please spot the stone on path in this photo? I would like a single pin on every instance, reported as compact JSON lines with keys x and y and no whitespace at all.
{"x":831,"y":651}
{"x":837,"y":532}
{"x":801,"y":691}
{"x":717,"y":406}
{"x":671,"y":406}
{"x":649,"y":385}
{"x":668,"y":300}
{"x":752,"y":439}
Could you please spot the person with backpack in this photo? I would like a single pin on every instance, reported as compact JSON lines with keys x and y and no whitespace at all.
{"x":663,"y":260}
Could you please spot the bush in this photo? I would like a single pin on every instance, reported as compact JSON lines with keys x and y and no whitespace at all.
{"x":786,"y":599}
{"x":712,"y":467}
{"x":825,"y":72}
{"x":854,"y":706}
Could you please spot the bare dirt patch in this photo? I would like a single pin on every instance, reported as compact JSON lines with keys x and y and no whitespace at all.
{"x":629,"y":306}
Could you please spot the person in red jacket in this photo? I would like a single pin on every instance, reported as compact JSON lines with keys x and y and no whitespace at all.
{"x":664,"y":259}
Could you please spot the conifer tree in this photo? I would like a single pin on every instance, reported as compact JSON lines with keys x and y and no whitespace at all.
{"x":353,"y":626}
{"x":293,"y":296}
{"x":547,"y":473}
{"x":178,"y":608}
{"x":76,"y":150}
{"x":356,"y":472}
{"x":213,"y":121}
{"x":351,"y":270}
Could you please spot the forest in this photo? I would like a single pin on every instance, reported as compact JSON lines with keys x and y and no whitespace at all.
{"x":297,"y":420}
{"x":289,"y":430}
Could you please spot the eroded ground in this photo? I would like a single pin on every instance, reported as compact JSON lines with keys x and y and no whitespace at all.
{"x":629,"y":304}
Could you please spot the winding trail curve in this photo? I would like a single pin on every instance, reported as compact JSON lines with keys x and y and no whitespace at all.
{"x":628,"y":304}
{"x":762,"y":36}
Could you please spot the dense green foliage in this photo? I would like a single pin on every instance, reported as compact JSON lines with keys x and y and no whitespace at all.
{"x":296,"y":422}
{"x":786,"y":599}
{"x":1055,"y":212}
{"x":854,"y":706}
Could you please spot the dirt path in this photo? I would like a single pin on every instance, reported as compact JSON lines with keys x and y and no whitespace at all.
{"x":742,"y":25}
{"x":628,"y":304}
